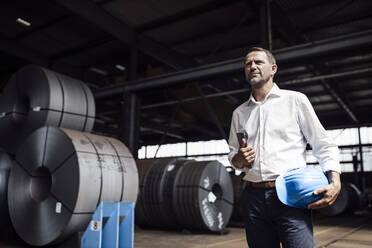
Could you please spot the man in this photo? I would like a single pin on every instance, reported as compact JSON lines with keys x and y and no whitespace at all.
{"x":278,"y":124}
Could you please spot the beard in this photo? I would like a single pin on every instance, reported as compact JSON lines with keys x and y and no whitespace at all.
{"x":257,"y":81}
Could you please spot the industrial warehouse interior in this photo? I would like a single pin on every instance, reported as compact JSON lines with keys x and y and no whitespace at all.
{"x":116,"y":118}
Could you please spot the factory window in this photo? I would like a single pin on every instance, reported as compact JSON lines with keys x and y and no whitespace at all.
{"x":346,"y":139}
{"x":348,"y":143}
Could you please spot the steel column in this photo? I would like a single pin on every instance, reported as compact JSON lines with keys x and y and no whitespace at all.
{"x":265,"y":24}
{"x":129,"y":121}
{"x":363,"y":179}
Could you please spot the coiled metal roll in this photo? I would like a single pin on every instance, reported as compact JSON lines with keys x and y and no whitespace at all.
{"x":356,"y":200}
{"x":155,"y":201}
{"x":186,"y":194}
{"x":238,"y":185}
{"x":204,"y":196}
{"x":143,"y":217}
{"x":36,"y":97}
{"x":339,"y":206}
{"x":348,"y":201}
{"x":59,"y":178}
{"x":5,"y":165}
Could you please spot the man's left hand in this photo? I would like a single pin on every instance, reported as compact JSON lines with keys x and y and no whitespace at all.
{"x":330,"y":192}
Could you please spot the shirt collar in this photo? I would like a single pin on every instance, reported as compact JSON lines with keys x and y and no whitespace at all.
{"x":275,"y":91}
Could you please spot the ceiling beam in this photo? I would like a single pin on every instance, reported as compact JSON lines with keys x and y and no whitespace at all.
{"x":161,"y":129}
{"x":186,"y":14}
{"x":288,"y":83}
{"x":102,"y":121}
{"x":191,"y":126}
{"x":327,"y":46}
{"x":304,"y":51}
{"x":123,"y":32}
{"x":284,"y":23}
{"x":82,"y":47}
{"x":17,"y":50}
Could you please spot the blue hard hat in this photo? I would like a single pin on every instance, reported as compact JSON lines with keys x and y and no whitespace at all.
{"x":296,"y":187}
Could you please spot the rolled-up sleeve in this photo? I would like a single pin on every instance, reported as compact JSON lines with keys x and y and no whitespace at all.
{"x":324,"y":148}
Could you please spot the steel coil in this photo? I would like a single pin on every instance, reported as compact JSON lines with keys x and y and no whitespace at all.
{"x":36,"y":97}
{"x":348,"y":201}
{"x":155,"y":208}
{"x":204,"y":196}
{"x":186,"y":194}
{"x":59,"y":178}
{"x":238,"y":185}
{"x":5,"y":165}
{"x":143,"y":216}
{"x":356,"y":201}
{"x":339,"y":206}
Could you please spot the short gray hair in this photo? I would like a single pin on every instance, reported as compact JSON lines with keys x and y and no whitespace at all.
{"x":269,"y":55}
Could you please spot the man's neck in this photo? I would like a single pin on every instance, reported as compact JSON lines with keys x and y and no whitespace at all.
{"x":260,"y":93}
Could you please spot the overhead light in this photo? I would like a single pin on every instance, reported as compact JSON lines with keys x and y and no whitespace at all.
{"x":99,"y":71}
{"x":23,"y":22}
{"x":120,"y":67}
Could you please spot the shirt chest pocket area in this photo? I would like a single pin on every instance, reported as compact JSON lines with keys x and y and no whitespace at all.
{"x":279,"y":124}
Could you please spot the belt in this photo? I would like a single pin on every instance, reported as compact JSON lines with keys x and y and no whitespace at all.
{"x":262,"y":185}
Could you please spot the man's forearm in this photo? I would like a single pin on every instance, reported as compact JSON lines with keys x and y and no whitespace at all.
{"x":333,"y":178}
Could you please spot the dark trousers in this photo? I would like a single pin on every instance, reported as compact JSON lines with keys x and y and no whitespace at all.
{"x":269,"y":222}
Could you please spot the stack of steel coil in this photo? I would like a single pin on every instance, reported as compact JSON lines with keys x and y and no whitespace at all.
{"x":185,"y":194}
{"x":59,"y":175}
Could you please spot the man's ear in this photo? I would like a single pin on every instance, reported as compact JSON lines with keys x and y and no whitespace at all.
{"x":274,"y":68}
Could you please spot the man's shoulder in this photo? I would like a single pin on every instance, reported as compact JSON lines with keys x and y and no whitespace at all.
{"x":292,"y":94}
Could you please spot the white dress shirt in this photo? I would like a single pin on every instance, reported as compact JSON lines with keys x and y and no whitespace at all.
{"x":278,"y":130}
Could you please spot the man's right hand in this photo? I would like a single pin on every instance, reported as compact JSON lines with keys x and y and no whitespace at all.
{"x":245,"y":156}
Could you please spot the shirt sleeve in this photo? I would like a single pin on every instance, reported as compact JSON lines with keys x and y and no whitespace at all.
{"x":233,"y":140}
{"x":324,"y":148}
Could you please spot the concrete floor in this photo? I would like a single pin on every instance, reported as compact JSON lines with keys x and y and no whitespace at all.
{"x":155,"y":239}
{"x":352,"y":231}
{"x":334,"y":232}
